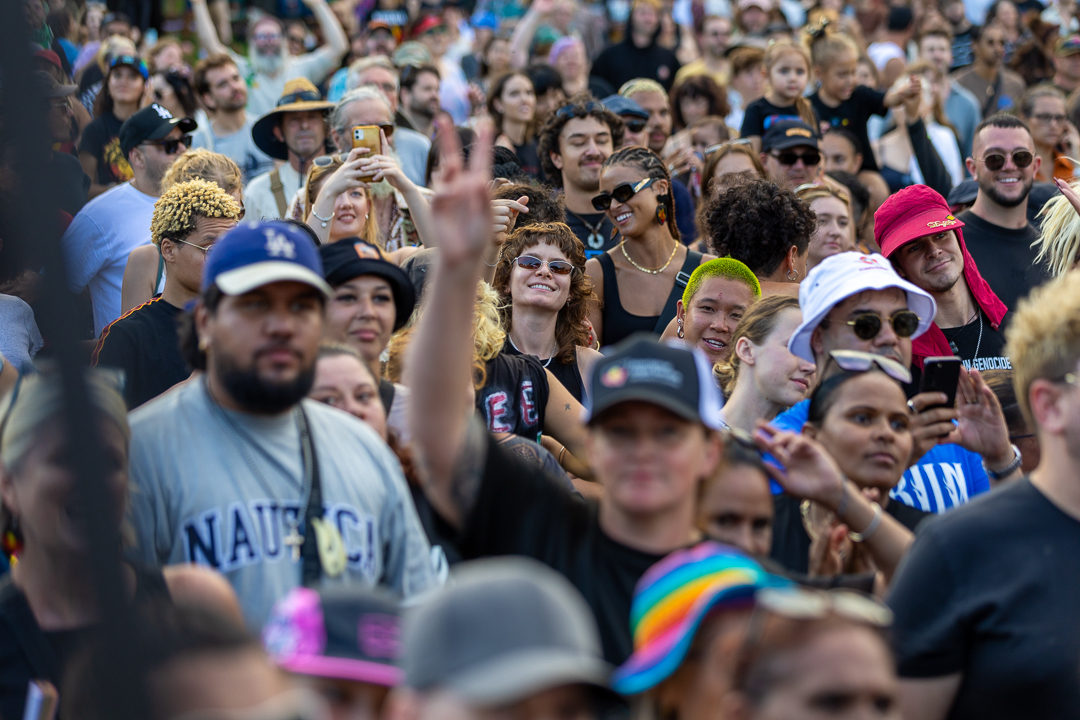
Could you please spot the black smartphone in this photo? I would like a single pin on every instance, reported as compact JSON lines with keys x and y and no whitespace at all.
{"x":941,"y":374}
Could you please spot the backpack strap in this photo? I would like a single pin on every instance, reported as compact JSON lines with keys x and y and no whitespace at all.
{"x":279,"y":192}
{"x":693,"y":259}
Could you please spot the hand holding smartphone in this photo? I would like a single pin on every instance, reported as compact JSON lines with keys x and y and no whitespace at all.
{"x":367,"y":136}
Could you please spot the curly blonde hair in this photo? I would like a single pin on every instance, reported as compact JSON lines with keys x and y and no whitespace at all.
{"x":177,"y":209}
{"x":202,"y":164}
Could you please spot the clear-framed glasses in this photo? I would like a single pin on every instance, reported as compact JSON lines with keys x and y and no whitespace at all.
{"x":205,"y":249}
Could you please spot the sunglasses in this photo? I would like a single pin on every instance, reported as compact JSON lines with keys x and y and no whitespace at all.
{"x":171,"y":147}
{"x":810,"y":158}
{"x":720,"y":146}
{"x":635,"y":125}
{"x":858,"y":361}
{"x":868,"y":325}
{"x":620,"y":194}
{"x":575,"y":110}
{"x":557,"y":267}
{"x":996,"y":161}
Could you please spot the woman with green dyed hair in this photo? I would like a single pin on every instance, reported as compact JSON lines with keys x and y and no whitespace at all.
{"x":716,"y":297}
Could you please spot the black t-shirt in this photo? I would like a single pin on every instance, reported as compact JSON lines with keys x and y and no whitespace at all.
{"x":852,"y":115}
{"x":101,"y":138}
{"x":145,"y":344}
{"x":979,"y":345}
{"x":761,"y":114}
{"x":530,"y":159}
{"x":68,"y":181}
{"x":991,"y":589}
{"x":568,"y":375}
{"x":791,"y":543}
{"x":594,"y":230}
{"x":514,"y":396}
{"x":621,"y":63}
{"x":520,"y":511}
{"x":1004,"y":256}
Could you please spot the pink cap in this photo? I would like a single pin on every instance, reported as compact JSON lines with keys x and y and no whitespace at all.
{"x":913,"y":212}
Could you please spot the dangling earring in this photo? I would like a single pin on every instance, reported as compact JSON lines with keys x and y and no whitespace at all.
{"x":680,"y":327}
{"x":11,"y":543}
{"x":661,"y":214}
{"x":793,"y":279}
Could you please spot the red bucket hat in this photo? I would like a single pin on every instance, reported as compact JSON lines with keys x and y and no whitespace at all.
{"x":914,"y":212}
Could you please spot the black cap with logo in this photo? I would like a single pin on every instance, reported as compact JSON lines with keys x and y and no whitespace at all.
{"x":673,"y":377}
{"x":788,"y":134}
{"x":153,"y":122}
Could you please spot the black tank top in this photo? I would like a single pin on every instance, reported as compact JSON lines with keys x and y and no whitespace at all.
{"x":569,"y":375}
{"x":618,"y":323}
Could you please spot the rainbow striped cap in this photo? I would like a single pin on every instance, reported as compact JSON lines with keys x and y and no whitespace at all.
{"x":670,"y":601}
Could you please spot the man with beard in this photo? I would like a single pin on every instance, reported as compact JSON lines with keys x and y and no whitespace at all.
{"x":221,"y":89}
{"x":238,"y":471}
{"x":269,"y":66}
{"x":1004,"y":163}
{"x":294,"y":131}
{"x":573,"y":145}
{"x":106,"y":230}
{"x":420,"y":97}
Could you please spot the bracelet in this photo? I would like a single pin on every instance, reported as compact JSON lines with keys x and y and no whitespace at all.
{"x":561,"y":453}
{"x":1008,"y":469}
{"x":870,"y":529}
{"x":324,"y":221}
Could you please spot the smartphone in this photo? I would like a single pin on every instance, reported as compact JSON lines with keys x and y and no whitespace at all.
{"x":941,"y":374}
{"x":367,"y":136}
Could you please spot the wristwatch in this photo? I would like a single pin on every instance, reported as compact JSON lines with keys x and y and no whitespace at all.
{"x":1008,"y":469}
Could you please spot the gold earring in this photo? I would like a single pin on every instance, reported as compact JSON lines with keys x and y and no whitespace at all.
{"x":203,"y":344}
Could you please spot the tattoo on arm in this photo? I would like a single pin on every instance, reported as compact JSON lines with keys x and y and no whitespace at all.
{"x":469,"y":472}
{"x":568,"y":406}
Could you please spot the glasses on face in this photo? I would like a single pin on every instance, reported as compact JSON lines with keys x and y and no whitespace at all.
{"x":532,"y":264}
{"x":720,"y":146}
{"x":810,"y":158}
{"x":205,"y":249}
{"x":267,"y":37}
{"x":858,"y":361}
{"x":996,"y":161}
{"x":621,"y":194}
{"x":1047,"y":118}
{"x":635,"y":125}
{"x":867,"y":325}
{"x":569,"y":111}
{"x":171,"y":147}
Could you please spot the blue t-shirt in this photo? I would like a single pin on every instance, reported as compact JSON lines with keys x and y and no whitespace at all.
{"x":946,"y":476}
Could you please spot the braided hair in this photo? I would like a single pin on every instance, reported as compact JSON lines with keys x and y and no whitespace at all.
{"x":652,"y":166}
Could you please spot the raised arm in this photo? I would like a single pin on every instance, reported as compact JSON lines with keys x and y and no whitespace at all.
{"x":386,"y":168}
{"x":440,"y":407}
{"x":336,"y":40}
{"x":204,"y":28}
{"x":524,"y":32}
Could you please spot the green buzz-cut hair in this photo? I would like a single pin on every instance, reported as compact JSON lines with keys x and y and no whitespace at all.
{"x":720,"y":267}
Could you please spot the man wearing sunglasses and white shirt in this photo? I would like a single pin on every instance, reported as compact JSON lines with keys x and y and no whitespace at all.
{"x":998,"y":234}
{"x":852,"y":301}
{"x":102,"y":235}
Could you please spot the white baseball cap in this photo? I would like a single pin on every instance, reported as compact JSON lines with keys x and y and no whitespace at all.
{"x":840,"y":276}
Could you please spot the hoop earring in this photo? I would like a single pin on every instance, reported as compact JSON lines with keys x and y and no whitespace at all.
{"x":661,"y":214}
{"x":793,"y":279}
{"x":680,"y":327}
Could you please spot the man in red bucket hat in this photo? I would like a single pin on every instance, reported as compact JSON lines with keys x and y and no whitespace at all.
{"x":916,"y":231}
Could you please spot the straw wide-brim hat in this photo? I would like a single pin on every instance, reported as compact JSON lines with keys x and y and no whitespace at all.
{"x":300,"y":95}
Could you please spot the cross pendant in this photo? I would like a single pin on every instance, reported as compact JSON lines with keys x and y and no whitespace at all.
{"x":294,"y":540}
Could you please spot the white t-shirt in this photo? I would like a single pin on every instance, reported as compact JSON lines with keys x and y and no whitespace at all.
{"x":239,"y":146}
{"x":98,"y":242}
{"x":264,"y":91}
{"x":259,"y":201}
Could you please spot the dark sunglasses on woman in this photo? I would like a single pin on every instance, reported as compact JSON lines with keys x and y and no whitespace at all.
{"x":620,"y":194}
{"x":531,"y":263}
{"x":996,"y":161}
{"x":867,"y":325}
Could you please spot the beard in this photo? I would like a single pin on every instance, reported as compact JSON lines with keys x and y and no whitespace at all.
{"x":999,"y":199}
{"x":258,"y":396}
{"x":268,"y":64}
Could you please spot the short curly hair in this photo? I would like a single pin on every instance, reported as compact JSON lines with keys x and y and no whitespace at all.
{"x":569,"y":330}
{"x":582,"y":105}
{"x":202,"y":164}
{"x":180,"y":206}
{"x":757,"y":223}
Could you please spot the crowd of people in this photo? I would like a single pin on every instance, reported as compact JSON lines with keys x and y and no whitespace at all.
{"x":683,"y":359}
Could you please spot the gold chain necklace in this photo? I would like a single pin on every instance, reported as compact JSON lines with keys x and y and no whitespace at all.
{"x":657,"y":271}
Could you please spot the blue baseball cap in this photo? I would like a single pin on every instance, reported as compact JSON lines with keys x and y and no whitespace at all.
{"x":624,"y":106}
{"x":254,"y":254}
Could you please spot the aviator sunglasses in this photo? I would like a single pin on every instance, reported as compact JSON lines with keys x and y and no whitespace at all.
{"x":867,"y":325}
{"x":621,"y":194}
{"x":996,"y":161}
{"x":531,"y":263}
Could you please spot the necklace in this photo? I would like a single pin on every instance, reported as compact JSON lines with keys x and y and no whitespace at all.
{"x":595,"y":240}
{"x":956,"y":334}
{"x":522,"y":353}
{"x":657,"y":271}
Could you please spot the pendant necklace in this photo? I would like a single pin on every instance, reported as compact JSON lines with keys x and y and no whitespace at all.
{"x":595,"y":241}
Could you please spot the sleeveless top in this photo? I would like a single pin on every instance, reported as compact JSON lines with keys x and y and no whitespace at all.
{"x":29,"y":653}
{"x":514,"y":396}
{"x":569,"y":375}
{"x":618,"y":323}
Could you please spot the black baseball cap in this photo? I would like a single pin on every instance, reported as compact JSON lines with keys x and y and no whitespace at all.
{"x":673,"y":376}
{"x":788,"y":134}
{"x":153,"y":122}
{"x":352,"y":257}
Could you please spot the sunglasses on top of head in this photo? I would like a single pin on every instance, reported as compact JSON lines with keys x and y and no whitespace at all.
{"x":621,"y":194}
{"x":787,"y":157}
{"x":532,"y":264}
{"x":172,"y":146}
{"x":996,"y":161}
